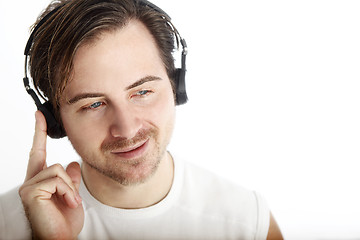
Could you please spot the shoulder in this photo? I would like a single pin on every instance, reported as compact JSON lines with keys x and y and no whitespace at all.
{"x":209,"y":184}
{"x":225,"y":200}
{"x":13,"y":222}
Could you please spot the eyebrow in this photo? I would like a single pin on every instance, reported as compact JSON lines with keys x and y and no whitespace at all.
{"x":142,"y":81}
{"x":83,"y":96}
{"x":96,"y":95}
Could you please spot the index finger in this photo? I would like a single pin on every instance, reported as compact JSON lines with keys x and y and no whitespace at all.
{"x":37,"y":159}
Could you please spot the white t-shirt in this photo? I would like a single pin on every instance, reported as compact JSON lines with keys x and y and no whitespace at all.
{"x":200,"y":205}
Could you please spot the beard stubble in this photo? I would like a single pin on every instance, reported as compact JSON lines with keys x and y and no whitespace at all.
{"x":130,"y":172}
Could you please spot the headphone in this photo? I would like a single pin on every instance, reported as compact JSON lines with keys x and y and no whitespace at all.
{"x":55,"y":128}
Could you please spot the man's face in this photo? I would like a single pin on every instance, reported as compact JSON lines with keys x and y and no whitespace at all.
{"x":118,"y":110}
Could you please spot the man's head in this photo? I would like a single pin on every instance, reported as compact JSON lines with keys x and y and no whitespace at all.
{"x":79,"y":22}
{"x":108,"y":69}
{"x":118,"y":109}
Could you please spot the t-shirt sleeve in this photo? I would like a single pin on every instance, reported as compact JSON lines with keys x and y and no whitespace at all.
{"x":2,"y":221}
{"x":263,"y":218}
{"x":13,"y":221}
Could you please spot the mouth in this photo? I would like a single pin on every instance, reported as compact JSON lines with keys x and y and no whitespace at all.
{"x":132,"y":152}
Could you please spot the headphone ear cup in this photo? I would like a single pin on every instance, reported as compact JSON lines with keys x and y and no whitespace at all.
{"x":54,"y":128}
{"x":181,"y":95}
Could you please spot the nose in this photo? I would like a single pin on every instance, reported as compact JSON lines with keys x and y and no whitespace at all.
{"x":125,"y":122}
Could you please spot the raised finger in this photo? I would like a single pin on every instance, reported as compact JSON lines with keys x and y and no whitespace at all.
{"x":37,"y":158}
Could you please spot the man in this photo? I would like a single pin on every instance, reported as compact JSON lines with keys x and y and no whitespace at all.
{"x":108,"y":72}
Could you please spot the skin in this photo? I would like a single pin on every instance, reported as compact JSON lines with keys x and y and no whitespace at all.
{"x":118,"y":111}
{"x":134,"y":96}
{"x":274,"y":230}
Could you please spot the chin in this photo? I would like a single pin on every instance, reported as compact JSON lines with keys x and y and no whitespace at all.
{"x":129,"y":172}
{"x":133,"y":174}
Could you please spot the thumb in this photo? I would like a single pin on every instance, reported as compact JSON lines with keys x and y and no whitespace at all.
{"x":74,"y":172}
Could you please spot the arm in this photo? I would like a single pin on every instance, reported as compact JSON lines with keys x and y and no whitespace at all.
{"x":274,"y":230}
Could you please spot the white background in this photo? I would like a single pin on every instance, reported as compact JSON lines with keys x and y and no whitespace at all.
{"x":274,"y":89}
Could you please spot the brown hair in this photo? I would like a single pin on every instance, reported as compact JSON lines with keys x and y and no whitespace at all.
{"x":79,"y":21}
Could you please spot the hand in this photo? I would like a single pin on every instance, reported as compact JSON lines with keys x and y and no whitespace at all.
{"x":50,"y":194}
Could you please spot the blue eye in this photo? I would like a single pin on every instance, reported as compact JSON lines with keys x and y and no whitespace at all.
{"x":95,"y":105}
{"x":143,"y":92}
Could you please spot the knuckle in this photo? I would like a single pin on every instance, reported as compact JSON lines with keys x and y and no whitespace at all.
{"x":20,"y":191}
{"x":23,"y":189}
{"x":58,"y":180}
{"x":31,"y":153}
{"x":37,"y":153}
{"x":23,"y":193}
{"x":58,"y":167}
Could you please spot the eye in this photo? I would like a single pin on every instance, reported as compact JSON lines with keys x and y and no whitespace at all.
{"x":143,"y":92}
{"x":95,"y":105}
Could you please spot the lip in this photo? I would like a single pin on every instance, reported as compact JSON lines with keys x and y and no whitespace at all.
{"x":132,"y":152}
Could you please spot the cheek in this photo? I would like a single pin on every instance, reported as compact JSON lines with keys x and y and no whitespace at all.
{"x":81,"y":133}
{"x":164,"y":115}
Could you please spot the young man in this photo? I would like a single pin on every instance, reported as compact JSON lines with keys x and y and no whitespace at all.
{"x":107,"y":69}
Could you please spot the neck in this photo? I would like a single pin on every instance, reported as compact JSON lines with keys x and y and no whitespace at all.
{"x":114,"y":194}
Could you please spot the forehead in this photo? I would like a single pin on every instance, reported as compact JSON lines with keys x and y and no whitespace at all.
{"x":126,"y":54}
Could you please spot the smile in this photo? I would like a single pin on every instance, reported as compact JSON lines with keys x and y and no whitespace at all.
{"x":133,"y":151}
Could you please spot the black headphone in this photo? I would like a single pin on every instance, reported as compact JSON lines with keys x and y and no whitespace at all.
{"x":54,"y":128}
